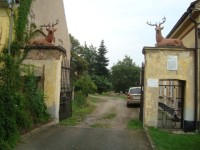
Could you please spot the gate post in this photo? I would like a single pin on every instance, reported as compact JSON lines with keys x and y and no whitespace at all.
{"x":151,"y":102}
{"x":47,"y":64}
{"x":168,"y":63}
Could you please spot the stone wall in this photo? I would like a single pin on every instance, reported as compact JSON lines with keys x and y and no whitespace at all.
{"x":47,"y":65}
{"x":4,"y":26}
{"x":156,"y":68}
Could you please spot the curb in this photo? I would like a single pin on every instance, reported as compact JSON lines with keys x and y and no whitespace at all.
{"x":38,"y":129}
{"x":150,"y":139}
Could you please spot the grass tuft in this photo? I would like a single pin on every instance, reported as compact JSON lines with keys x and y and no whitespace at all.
{"x":78,"y":115}
{"x":109,"y":116}
{"x":134,"y":124}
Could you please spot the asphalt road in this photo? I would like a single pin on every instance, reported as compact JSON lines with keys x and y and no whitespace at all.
{"x":74,"y":138}
{"x":84,"y":137}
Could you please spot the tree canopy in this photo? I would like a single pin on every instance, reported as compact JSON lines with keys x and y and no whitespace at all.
{"x":78,"y":64}
{"x":125,"y":74}
{"x":88,"y":60}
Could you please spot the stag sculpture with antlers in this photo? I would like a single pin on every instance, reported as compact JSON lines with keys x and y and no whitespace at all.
{"x":48,"y":39}
{"x":161,"y":41}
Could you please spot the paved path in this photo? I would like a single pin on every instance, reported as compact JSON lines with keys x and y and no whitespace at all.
{"x":83,"y":137}
{"x":73,"y":138}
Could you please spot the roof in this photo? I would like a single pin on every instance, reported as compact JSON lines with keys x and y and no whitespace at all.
{"x":183,"y":17}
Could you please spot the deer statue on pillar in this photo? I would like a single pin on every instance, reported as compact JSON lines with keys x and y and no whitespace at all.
{"x":48,"y":39}
{"x":161,"y":41}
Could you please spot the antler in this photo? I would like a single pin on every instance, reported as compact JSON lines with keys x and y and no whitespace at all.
{"x":53,"y":24}
{"x":149,"y":23}
{"x":163,"y":20}
{"x":45,"y":25}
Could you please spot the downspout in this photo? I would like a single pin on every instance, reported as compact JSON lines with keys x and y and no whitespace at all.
{"x":196,"y":73}
{"x":11,"y":27}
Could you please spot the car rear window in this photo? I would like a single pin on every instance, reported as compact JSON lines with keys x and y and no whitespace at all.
{"x":135,"y":91}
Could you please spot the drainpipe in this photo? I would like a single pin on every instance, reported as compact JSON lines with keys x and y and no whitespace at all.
{"x":196,"y":74}
{"x":11,"y":26}
{"x":11,"y":4}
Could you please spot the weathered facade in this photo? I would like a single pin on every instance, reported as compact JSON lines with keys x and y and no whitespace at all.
{"x":49,"y":61}
{"x":47,"y":65}
{"x":187,"y":29}
{"x":158,"y":67}
{"x":184,"y":71}
{"x":4,"y":23}
{"x":48,"y":11}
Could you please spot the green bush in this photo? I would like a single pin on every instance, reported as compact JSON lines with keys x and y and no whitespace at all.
{"x":85,"y":85}
{"x":102,"y":83}
{"x":34,"y":99}
{"x":21,"y":102}
{"x":79,"y":99}
{"x":9,"y":97}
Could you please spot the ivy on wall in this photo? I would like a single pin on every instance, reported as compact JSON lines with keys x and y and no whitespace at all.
{"x":21,"y":102}
{"x":22,"y":20}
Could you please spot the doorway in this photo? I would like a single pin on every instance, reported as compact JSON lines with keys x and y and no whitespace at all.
{"x":170,"y":103}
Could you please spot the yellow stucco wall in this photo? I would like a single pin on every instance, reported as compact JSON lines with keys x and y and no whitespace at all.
{"x":40,"y":15}
{"x":47,"y":64}
{"x":188,"y":39}
{"x":43,"y":12}
{"x":156,"y":68}
{"x":48,"y":11}
{"x":4,"y":26}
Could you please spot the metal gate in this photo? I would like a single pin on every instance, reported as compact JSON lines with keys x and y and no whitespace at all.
{"x":142,"y":92}
{"x":65,"y":110}
{"x":170,"y":104}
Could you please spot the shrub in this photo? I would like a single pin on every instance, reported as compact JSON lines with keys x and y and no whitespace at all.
{"x":19,"y":109}
{"x":102,"y":83}
{"x":35,"y":99}
{"x":79,"y":99}
{"x":21,"y":103}
{"x":86,"y":85}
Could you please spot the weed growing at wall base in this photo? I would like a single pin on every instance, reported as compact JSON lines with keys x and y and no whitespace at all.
{"x":134,"y":124}
{"x":79,"y":112}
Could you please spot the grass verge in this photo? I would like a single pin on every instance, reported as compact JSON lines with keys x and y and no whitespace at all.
{"x":79,"y":113}
{"x":165,"y":140}
{"x":134,"y":124}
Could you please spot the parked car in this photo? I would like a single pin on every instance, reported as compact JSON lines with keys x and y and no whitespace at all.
{"x":133,"y":96}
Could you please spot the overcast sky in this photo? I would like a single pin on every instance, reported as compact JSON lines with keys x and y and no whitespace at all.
{"x":121,"y":24}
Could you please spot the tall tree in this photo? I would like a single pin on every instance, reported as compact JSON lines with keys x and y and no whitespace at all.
{"x":101,"y":61}
{"x":90,"y":54}
{"x":78,"y":64}
{"x":125,"y":74}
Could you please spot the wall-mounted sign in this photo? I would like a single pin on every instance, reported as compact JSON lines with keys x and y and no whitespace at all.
{"x":152,"y":83}
{"x":172,"y":63}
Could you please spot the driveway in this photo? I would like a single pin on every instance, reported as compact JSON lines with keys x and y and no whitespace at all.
{"x":104,"y":129}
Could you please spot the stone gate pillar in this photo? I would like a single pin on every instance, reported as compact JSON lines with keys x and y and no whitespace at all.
{"x":168,"y":63}
{"x":47,"y":64}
